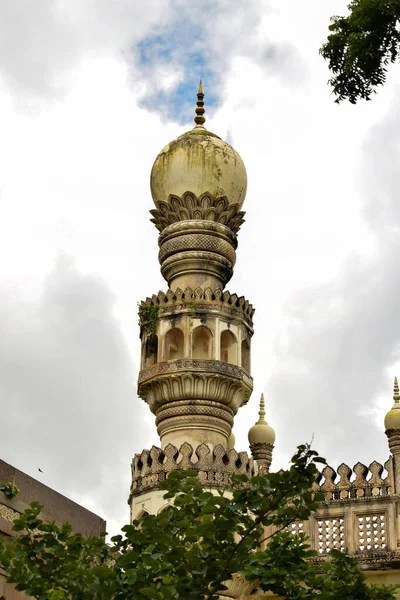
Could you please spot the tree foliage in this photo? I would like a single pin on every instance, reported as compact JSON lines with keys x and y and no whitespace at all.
{"x":361,"y":46}
{"x":190,"y":549}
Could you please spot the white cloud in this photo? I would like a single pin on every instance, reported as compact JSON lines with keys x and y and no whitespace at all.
{"x":67,"y":388}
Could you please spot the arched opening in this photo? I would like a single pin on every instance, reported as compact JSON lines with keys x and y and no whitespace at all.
{"x":142,"y":514}
{"x":174,"y":344}
{"x":246,"y":355}
{"x":164,"y":509}
{"x":201,"y":342}
{"x":228,"y":347}
{"x":150,"y":351}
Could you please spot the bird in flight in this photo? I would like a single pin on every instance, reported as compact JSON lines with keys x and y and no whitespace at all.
{"x":40,"y":470}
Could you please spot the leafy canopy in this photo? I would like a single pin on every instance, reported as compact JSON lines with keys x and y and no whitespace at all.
{"x":193,"y":547}
{"x":361,"y":46}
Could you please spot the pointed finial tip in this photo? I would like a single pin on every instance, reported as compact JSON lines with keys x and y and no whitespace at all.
{"x":261,"y":412}
{"x":396,"y":393}
{"x":200,"y":110}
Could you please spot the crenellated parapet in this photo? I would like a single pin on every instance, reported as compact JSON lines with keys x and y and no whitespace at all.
{"x":198,"y":301}
{"x":358,"y":515}
{"x":215,"y":467}
{"x":359,"y":482}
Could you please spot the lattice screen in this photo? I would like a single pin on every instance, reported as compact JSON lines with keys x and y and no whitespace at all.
{"x":295,"y":528}
{"x":330,"y":535}
{"x":372,"y":532}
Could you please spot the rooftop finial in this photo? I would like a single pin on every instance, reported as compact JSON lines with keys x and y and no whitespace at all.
{"x":396,"y":394}
{"x":261,"y":412}
{"x":200,"y":110}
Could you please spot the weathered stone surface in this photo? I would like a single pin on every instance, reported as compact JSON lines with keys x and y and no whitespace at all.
{"x":201,"y":162}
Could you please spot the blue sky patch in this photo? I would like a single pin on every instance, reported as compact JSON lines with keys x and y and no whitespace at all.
{"x":180,"y":48}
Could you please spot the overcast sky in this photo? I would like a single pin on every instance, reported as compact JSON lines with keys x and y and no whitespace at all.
{"x":89,"y":94}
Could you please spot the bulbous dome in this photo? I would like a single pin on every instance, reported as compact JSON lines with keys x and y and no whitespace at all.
{"x":199,"y":161}
{"x":261,"y":432}
{"x":392,"y":418}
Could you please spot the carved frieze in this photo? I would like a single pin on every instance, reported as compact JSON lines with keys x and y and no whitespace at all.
{"x":195,"y":365}
{"x":197,"y":241}
{"x":195,"y":379}
{"x":190,"y":207}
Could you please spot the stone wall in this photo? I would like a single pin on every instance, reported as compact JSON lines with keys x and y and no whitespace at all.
{"x":56,"y":508}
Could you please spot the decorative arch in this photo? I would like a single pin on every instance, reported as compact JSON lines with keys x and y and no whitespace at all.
{"x":228,"y":347}
{"x":142,"y":514}
{"x":164,"y":509}
{"x":201,"y":342}
{"x":150,"y":351}
{"x":174,"y":344}
{"x":246,"y":355}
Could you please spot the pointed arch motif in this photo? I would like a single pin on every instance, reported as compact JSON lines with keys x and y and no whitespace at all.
{"x":142,"y":514}
{"x":229,"y":347}
{"x":174,"y":344}
{"x":164,"y":509}
{"x":201,"y":343}
{"x":246,"y":355}
{"x":150,"y":351}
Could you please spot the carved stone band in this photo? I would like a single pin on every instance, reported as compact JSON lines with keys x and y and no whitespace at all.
{"x":223,"y":389}
{"x":208,"y":366}
{"x":202,"y":407}
{"x":196,"y":226}
{"x":197,"y":241}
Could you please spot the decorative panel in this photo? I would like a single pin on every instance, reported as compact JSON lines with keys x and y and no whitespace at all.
{"x":371,"y":532}
{"x":295,"y":528}
{"x":330,"y":535}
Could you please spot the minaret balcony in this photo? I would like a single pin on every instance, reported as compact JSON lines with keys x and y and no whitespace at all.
{"x":195,"y":400}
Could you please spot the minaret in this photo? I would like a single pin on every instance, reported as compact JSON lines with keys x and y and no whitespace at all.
{"x":196,"y":337}
{"x":261,"y":440}
{"x":392,"y":427}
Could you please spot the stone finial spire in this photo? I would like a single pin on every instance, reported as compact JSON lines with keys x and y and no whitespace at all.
{"x":261,"y":412}
{"x":200,"y":110}
{"x":396,"y":393}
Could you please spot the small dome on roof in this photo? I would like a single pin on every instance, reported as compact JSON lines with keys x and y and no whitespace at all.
{"x":392,"y":418}
{"x":261,"y":432}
